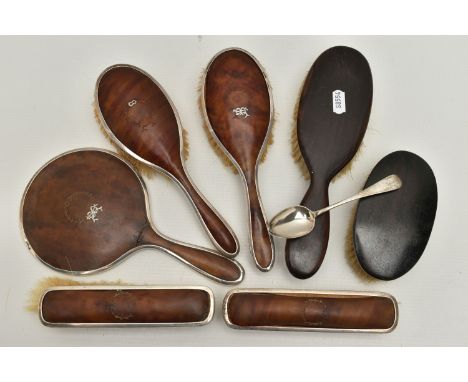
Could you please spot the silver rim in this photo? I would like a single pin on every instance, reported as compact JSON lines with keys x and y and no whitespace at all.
{"x":303,"y":291}
{"x":124,"y":255}
{"x":124,"y":324}
{"x":226,"y":152}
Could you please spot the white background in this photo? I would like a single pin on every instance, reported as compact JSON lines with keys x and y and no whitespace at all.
{"x":46,"y":94}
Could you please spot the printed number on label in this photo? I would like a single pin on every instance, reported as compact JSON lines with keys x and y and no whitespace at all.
{"x":339,"y":101}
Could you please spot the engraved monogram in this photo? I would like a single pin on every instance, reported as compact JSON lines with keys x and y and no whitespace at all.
{"x":93,"y":211}
{"x":315,"y":312}
{"x":241,"y":112}
{"x":122,"y":305}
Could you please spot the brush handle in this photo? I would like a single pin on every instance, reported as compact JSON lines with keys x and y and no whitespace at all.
{"x":124,"y":306}
{"x":389,"y":183}
{"x":305,"y":254}
{"x":261,"y":242}
{"x":304,"y":310}
{"x":208,"y":263}
{"x":220,"y":233}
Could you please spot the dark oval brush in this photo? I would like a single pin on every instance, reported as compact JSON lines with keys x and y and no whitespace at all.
{"x":86,"y":210}
{"x":140,"y":118}
{"x":391,"y":230}
{"x":332,"y":118}
{"x":238,"y":109}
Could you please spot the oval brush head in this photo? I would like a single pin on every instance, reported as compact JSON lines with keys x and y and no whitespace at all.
{"x":296,"y":150}
{"x":220,"y":153}
{"x":391,"y":231}
{"x":140,"y":166}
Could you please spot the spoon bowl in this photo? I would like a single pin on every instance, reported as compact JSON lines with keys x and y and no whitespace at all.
{"x":293,"y":222}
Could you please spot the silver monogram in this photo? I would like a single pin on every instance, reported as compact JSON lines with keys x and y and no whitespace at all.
{"x":241,"y":112}
{"x":133,"y":102}
{"x":93,"y":211}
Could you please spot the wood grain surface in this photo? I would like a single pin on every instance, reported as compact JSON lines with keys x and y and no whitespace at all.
{"x":391,"y":230}
{"x":86,"y":210}
{"x":234,"y":83}
{"x":142,"y":119}
{"x":289,"y":309}
{"x":125,"y":306}
{"x":328,"y":141}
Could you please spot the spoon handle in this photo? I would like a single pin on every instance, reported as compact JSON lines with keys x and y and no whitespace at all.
{"x":390,"y":183}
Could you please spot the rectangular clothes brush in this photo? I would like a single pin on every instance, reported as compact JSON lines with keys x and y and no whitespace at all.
{"x":69,"y":304}
{"x":306,"y":310}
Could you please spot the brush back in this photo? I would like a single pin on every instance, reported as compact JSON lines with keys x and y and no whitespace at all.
{"x":140,"y":116}
{"x":391,"y":230}
{"x":237,"y":102}
{"x":334,"y":110}
{"x":332,"y":118}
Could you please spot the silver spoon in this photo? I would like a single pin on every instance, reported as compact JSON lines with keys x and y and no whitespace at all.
{"x":299,"y":220}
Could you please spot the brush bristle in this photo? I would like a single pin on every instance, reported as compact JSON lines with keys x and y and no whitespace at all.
{"x":350,"y":253}
{"x":50,"y":282}
{"x":143,"y":169}
{"x":271,"y":138}
{"x":185,"y":145}
{"x":295,"y":149}
{"x":215,"y":145}
{"x":297,"y":155}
